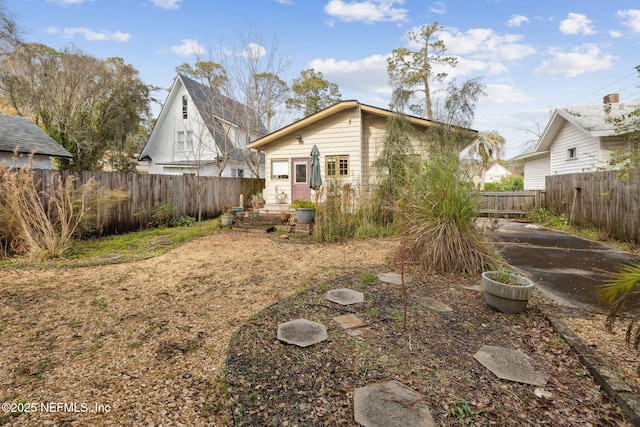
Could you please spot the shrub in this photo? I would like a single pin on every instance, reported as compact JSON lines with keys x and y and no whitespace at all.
{"x":43,"y":224}
{"x":184,"y":221}
{"x":301,"y":203}
{"x":163,"y":214}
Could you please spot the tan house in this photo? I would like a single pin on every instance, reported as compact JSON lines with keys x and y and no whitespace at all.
{"x":349,"y":136}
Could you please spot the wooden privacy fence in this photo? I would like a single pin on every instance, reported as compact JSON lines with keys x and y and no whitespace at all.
{"x":509,"y":203}
{"x":601,"y":200}
{"x":146,"y":192}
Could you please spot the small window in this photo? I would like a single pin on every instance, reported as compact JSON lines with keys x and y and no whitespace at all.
{"x":240,"y":173}
{"x":180,"y":141}
{"x":337,"y":166}
{"x":572,"y":153}
{"x":184,"y":106}
{"x":280,"y":169}
{"x":189,"y":141}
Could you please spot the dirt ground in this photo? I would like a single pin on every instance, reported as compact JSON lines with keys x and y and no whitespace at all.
{"x":145,"y":343}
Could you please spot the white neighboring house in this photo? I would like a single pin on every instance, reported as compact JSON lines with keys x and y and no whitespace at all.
{"x":576,"y":139}
{"x":201,"y":132}
{"x":495,"y":173}
{"x":27,"y":137}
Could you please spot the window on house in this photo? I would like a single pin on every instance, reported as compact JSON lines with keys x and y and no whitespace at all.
{"x":337,"y":166}
{"x":240,"y":173}
{"x":572,"y":153}
{"x":279,"y":169}
{"x":180,"y":141}
{"x":184,"y":106}
{"x":189,"y":141}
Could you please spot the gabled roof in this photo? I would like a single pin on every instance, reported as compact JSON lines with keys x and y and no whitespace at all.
{"x":330,"y":111}
{"x":215,"y":109}
{"x":590,"y":119}
{"x":28,"y":137}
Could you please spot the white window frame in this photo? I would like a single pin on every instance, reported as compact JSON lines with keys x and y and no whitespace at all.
{"x":572,"y":153}
{"x":283,"y":167}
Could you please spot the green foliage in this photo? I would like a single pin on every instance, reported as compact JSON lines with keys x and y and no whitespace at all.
{"x":410,"y":71}
{"x":313,"y":93}
{"x":163,"y":214}
{"x":87,"y":104}
{"x":184,"y":221}
{"x":440,"y":214}
{"x":506,"y":183}
{"x":301,"y":203}
{"x":369,"y":278}
{"x":547,"y":218}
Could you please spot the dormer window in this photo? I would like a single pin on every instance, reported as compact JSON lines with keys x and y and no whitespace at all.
{"x":184,"y":106}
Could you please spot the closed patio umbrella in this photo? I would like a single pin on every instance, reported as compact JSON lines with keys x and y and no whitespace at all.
{"x":315,"y":180}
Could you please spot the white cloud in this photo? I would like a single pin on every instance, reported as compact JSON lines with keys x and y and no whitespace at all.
{"x":362,"y":75}
{"x":438,"y":8}
{"x":503,"y":94}
{"x":577,"y":23}
{"x":90,"y":35}
{"x":615,"y":34}
{"x":188,"y":47}
{"x":630,"y":18}
{"x":368,"y":11}
{"x":254,"y":50}
{"x":285,"y":1}
{"x":484,"y":43}
{"x":167,"y":4}
{"x":579,"y":60}
{"x":517,"y":20}
{"x":66,"y":2}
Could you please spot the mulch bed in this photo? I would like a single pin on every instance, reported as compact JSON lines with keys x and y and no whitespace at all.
{"x":272,"y":383}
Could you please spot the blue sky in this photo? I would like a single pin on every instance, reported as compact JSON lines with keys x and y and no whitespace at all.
{"x":532,"y":55}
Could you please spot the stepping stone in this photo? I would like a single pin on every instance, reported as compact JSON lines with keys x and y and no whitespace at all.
{"x":477,"y":288}
{"x":390,"y":404}
{"x":345,"y":296}
{"x":512,"y":365}
{"x":348,"y":321}
{"x":435,"y":305}
{"x":393,"y":278}
{"x":302,"y":332}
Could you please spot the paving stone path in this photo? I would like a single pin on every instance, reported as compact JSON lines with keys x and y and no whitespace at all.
{"x":392,"y":403}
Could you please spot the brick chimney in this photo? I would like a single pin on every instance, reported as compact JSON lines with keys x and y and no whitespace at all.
{"x":612,"y":98}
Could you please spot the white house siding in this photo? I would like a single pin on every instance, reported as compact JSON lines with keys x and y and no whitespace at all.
{"x":38,"y":162}
{"x":535,"y":171}
{"x":588,"y":151}
{"x":338,"y":134}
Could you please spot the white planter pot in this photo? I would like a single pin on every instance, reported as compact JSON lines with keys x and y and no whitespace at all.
{"x":504,"y":297}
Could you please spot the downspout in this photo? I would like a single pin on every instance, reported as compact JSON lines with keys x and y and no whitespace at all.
{"x":364,"y":152}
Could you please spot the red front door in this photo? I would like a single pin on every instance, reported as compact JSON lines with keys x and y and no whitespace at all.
{"x":300,"y":168}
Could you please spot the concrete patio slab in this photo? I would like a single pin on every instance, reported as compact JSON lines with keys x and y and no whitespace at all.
{"x":345,"y":296}
{"x":390,"y":404}
{"x":302,"y":332}
{"x":507,"y":364}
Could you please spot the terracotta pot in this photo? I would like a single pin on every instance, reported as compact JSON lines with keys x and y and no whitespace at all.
{"x":504,"y":297}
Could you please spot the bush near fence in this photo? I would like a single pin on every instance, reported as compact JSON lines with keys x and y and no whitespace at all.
{"x":608,"y":201}
{"x":146,"y":192}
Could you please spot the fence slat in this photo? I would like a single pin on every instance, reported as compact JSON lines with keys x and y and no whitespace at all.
{"x":145,"y":192}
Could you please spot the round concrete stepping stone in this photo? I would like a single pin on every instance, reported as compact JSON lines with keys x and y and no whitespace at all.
{"x":435,"y":305}
{"x":390,"y":404}
{"x":302,"y":332}
{"x":512,"y":365}
{"x":393,"y":278}
{"x":345,"y":296}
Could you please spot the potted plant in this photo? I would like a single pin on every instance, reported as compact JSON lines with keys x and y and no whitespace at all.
{"x":305,"y":210}
{"x":227,"y":217}
{"x":257,"y":201}
{"x":506,"y":291}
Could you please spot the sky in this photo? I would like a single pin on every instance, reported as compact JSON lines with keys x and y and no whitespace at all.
{"x":532,"y":56}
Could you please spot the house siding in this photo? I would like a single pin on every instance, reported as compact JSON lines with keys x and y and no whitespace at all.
{"x":588,"y":151}
{"x":334,"y":136}
{"x":535,"y":172}
{"x":38,"y":162}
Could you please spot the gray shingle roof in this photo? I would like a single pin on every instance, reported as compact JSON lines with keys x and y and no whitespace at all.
{"x":23,"y":133}
{"x":215,"y":108}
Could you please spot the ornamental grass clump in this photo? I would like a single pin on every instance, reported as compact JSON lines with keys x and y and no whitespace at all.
{"x":440,"y":214}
